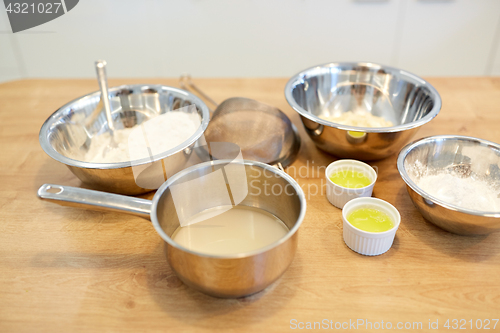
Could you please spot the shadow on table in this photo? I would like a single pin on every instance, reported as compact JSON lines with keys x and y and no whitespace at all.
{"x":88,"y":260}
{"x":195,"y":308}
{"x":149,"y":273}
{"x":53,"y":172}
{"x":466,"y":248}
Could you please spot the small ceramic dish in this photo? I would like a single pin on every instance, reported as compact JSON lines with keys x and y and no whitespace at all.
{"x":365,"y":242}
{"x":339,"y":195}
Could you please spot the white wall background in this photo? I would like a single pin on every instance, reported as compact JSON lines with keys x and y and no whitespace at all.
{"x":255,"y":38}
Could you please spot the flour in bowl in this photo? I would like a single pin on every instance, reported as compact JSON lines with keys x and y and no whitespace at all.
{"x":466,"y":192}
{"x":359,"y":119}
{"x":152,"y":137}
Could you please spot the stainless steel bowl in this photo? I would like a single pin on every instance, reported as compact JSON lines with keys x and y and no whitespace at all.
{"x":470,"y":157}
{"x":65,"y":133}
{"x":332,"y":89}
{"x":217,"y":275}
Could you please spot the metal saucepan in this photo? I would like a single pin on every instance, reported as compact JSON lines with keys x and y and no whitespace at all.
{"x":222,"y":276}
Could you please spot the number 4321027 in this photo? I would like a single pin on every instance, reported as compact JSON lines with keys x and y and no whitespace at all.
{"x":462,"y":324}
{"x":40,"y":8}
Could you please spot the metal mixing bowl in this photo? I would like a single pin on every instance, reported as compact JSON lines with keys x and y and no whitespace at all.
{"x":332,"y":89}
{"x":65,"y":133}
{"x":465,"y":156}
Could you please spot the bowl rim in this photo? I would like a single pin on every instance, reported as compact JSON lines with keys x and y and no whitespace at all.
{"x":291,"y":232}
{"x":56,"y":115}
{"x":410,"y":183}
{"x":351,"y":162}
{"x":295,"y":79}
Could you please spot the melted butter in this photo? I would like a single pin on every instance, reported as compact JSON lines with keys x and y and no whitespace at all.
{"x":370,"y":219}
{"x":350,"y":179}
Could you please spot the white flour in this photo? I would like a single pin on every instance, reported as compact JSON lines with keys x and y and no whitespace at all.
{"x":360,"y":119}
{"x":463,"y":192}
{"x":159,"y":134}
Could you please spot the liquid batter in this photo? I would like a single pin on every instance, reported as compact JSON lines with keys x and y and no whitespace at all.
{"x":237,"y":230}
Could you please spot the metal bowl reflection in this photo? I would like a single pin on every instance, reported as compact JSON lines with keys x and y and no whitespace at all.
{"x":332,"y":89}
{"x":469,"y":156}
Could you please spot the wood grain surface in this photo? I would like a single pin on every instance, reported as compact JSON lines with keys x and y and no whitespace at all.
{"x":67,"y":269}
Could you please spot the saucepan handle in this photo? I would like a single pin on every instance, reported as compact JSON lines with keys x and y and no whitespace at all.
{"x":83,"y":198}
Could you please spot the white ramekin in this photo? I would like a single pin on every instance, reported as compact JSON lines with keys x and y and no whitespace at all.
{"x":364,"y":242}
{"x":339,"y":195}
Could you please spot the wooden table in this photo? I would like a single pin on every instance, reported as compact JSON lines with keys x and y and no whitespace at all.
{"x":68,"y":269}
